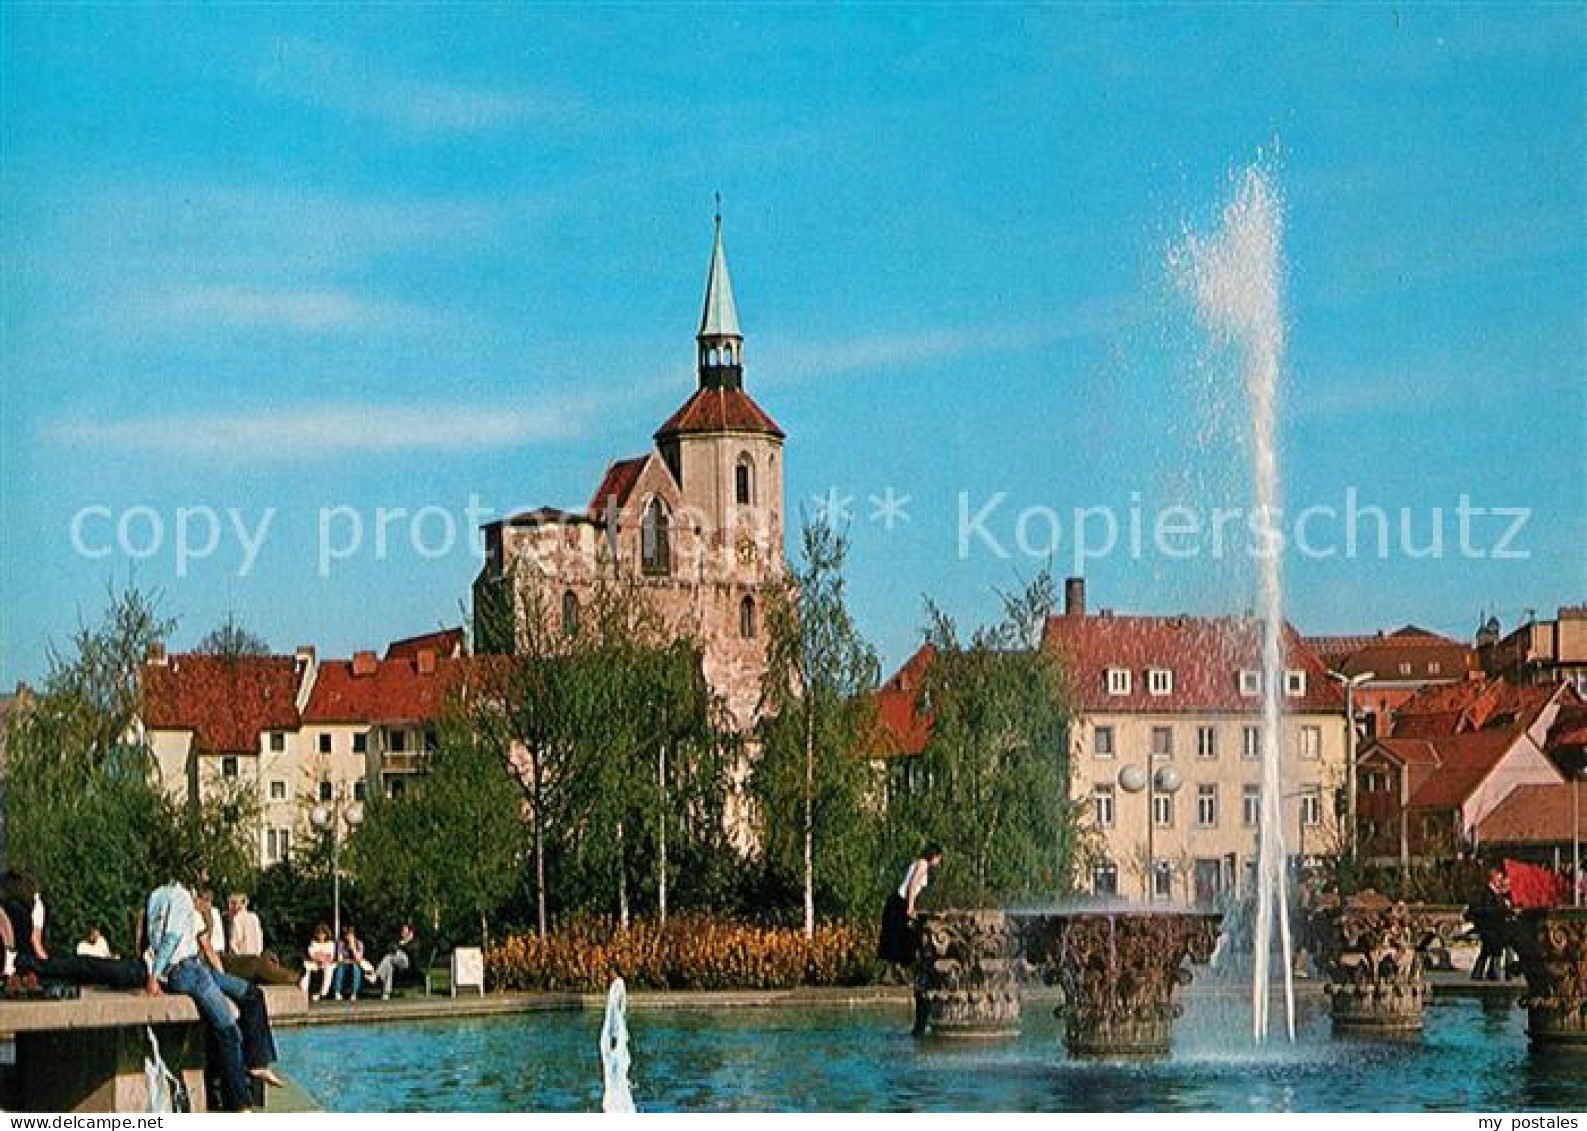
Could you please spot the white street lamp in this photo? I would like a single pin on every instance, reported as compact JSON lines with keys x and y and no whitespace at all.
{"x":332,"y":818}
{"x":1350,"y":683}
{"x":1133,"y":779}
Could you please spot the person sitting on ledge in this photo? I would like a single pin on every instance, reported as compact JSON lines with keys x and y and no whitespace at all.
{"x":23,"y":908}
{"x":321,"y":959}
{"x":396,"y":961}
{"x":350,"y":960}
{"x":94,"y":944}
{"x":245,"y":955}
{"x":181,"y":963}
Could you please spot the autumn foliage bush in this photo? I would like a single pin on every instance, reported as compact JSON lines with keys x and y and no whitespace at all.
{"x":692,"y":952}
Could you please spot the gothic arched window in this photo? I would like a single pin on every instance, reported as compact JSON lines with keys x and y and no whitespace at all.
{"x":744,"y":481}
{"x":746,"y":618}
{"x":655,"y":550}
{"x":570,"y":613}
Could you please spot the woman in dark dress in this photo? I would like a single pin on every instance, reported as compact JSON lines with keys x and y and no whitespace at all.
{"x":900,"y":941}
{"x":19,"y":896}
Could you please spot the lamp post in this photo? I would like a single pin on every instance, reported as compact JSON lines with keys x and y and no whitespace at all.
{"x":1350,"y":683}
{"x":1575,"y":833}
{"x":331,"y":817}
{"x":1166,"y":780}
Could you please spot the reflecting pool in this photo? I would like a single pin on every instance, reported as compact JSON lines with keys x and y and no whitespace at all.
{"x":1474,"y":1057}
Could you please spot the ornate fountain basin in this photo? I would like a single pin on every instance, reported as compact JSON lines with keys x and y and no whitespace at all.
{"x":1373,"y":951}
{"x":1552,"y":944}
{"x":1119,"y":971}
{"x":965,"y":980}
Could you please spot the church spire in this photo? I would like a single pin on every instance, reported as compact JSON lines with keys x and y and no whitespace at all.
{"x":721,"y":344}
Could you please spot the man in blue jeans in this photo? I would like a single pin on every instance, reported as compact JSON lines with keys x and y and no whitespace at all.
{"x":177,"y":964}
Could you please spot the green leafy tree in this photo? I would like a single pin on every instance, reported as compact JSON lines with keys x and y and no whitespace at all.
{"x":997,"y":762}
{"x":812,"y":782}
{"x":232,"y":639}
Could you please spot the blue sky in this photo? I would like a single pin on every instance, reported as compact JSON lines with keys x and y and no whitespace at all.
{"x":303,"y":258}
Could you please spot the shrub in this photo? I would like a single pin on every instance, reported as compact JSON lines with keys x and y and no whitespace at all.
{"x":693,"y":952}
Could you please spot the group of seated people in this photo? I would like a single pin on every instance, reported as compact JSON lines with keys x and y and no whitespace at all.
{"x":185,"y":946}
{"x":341,"y":964}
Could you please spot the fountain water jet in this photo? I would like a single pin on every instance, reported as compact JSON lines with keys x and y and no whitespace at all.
{"x":1234,"y":276}
{"x":616,"y":1097}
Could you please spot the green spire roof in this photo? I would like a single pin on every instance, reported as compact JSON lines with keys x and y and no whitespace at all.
{"x":720,"y":319}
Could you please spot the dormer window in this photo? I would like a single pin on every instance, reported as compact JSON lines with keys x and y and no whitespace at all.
{"x":1118,"y":681}
{"x":1159,"y":681}
{"x":1294,"y":684}
{"x":1250,"y":683}
{"x":1405,"y":669}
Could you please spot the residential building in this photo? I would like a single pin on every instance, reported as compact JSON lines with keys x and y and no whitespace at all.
{"x":1396,"y":665}
{"x":1539,"y":651}
{"x":1185,"y":692}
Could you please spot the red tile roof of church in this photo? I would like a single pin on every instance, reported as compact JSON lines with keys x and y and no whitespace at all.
{"x":719,"y":410}
{"x":225,"y":701}
{"x":618,"y":483}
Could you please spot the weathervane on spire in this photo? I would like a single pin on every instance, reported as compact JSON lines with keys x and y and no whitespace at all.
{"x":718,"y":210}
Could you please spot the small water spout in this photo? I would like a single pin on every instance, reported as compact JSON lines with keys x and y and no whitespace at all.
{"x":617,"y":1098}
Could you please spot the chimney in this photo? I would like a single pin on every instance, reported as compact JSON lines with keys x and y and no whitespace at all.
{"x":426,"y":661}
{"x":1075,"y":597}
{"x":305,"y":656}
{"x":364,"y":663}
{"x":156,"y":654}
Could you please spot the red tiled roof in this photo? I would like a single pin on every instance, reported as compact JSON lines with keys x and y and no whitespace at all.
{"x":617,"y":484}
{"x":225,"y":701}
{"x":1426,"y":654}
{"x":719,"y":410}
{"x":1464,"y":761}
{"x":1533,"y":814}
{"x":1410,"y":751}
{"x":1455,"y":708}
{"x":1205,"y":654}
{"x":446,"y":642}
{"x":394,"y":691}
{"x":903,"y":728}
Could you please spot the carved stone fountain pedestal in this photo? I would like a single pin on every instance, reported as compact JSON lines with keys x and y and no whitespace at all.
{"x":1119,"y":971}
{"x":966,"y":976}
{"x":1552,"y":944}
{"x":1372,"y":953}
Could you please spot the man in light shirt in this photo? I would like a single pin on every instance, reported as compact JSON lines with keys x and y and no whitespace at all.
{"x":177,"y":964}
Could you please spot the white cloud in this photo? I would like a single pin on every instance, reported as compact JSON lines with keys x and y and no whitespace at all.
{"x":320,"y":431}
{"x":250,"y":307}
{"x":339,"y":81}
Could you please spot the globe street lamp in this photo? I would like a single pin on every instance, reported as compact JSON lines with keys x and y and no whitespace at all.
{"x":1350,"y":683}
{"x":332,"y":817}
{"x":1133,"y":779}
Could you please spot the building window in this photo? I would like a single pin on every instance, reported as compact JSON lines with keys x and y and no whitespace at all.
{"x":278,"y":845}
{"x":1311,"y":743}
{"x":1311,"y":807}
{"x":1118,"y":681}
{"x":1163,"y":810}
{"x":1162,"y":742}
{"x":655,"y":541}
{"x":1251,"y":806}
{"x":396,"y":787}
{"x":361,"y":742}
{"x":399,"y":742}
{"x":1405,"y":669}
{"x":1160,"y":681}
{"x":1162,"y":880}
{"x":1105,"y":879}
{"x":744,"y":481}
{"x":1207,"y":806}
{"x":1102,"y":742}
{"x":1250,"y":683}
{"x":278,"y":741}
{"x":430,"y":742}
{"x":325,"y":743}
{"x":1294,"y":683}
{"x":1434,"y":667}
{"x":1251,"y":742}
{"x":1103,"y":798}
{"x":746,"y":618}
{"x":228,"y":766}
{"x":278,"y":790}
{"x":325,"y":791}
{"x":360,"y":790}
{"x":570,"y":613}
{"x":1206,"y":742}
